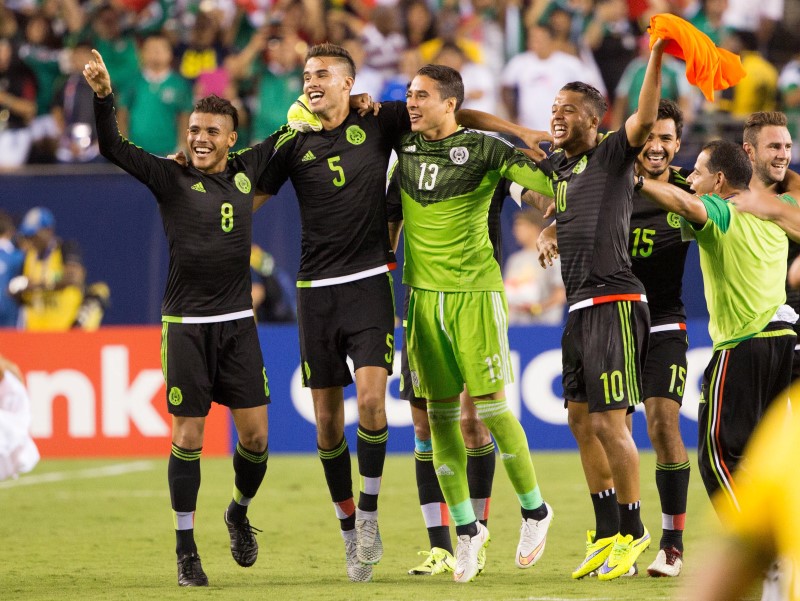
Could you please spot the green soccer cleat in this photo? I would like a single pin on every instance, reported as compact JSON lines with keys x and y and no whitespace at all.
{"x":438,"y":561}
{"x":625,"y":552}
{"x":596,"y":553}
{"x":482,"y":556}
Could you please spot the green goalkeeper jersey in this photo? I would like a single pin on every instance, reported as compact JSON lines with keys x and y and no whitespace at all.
{"x":446,"y":188}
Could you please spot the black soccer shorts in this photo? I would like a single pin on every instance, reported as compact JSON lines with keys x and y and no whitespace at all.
{"x":220,"y":362}
{"x":354,"y":319}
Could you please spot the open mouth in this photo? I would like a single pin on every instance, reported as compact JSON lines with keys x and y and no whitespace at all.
{"x":201,"y":152}
{"x":314,"y":96}
{"x":559,"y":131}
{"x":656,"y":159}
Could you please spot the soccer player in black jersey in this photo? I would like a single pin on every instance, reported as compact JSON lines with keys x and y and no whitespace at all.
{"x":605,"y":337}
{"x":658,"y":255}
{"x":209,"y":348}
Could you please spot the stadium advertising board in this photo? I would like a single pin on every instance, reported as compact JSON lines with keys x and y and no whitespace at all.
{"x":102,"y":393}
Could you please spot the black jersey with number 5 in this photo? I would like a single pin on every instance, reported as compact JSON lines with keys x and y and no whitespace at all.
{"x":207,"y":220}
{"x":593,"y":213}
{"x":658,"y":254}
{"x":339,"y":177}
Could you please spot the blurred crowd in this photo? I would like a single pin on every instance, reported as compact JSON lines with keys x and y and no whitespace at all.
{"x":513,"y":55}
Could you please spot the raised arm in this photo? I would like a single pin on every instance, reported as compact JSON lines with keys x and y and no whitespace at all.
{"x":638,"y":125}
{"x":672,"y":198}
{"x":142,"y":165}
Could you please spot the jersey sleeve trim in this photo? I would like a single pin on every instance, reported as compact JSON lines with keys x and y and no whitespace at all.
{"x":719,"y":211}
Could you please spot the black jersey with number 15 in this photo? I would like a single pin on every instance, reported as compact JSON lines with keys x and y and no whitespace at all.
{"x":658,"y":254}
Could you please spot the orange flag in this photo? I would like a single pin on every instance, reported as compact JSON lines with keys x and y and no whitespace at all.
{"x":708,"y":67}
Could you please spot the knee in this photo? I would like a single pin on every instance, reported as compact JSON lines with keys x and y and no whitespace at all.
{"x":475,"y":433}
{"x":254,"y":441}
{"x":664,"y":431}
{"x":422,"y":430}
{"x":580,"y":425}
{"x":371,"y":402}
{"x":608,"y":430}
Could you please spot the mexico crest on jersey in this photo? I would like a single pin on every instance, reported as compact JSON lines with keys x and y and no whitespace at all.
{"x":459,"y":155}
{"x":242,"y":183}
{"x":355,"y":135}
{"x":673,"y":220}
{"x":580,"y":166}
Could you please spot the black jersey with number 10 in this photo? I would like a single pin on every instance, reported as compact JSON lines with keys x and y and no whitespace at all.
{"x":593,"y":198}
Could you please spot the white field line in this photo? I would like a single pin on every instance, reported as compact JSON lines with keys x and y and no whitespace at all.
{"x":116,"y":469}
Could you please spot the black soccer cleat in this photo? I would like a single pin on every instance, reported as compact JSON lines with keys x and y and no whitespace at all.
{"x":244,"y":547}
{"x":190,"y":571}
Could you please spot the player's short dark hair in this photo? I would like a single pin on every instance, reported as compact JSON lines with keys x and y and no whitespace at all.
{"x":730,"y":159}
{"x":448,"y":81}
{"x":596,"y":100}
{"x":215,"y":105}
{"x":333,"y":51}
{"x":760,"y":119}
{"x":669,"y":109}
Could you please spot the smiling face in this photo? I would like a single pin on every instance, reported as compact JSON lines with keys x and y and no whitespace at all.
{"x":327,"y":84}
{"x":430,"y":114}
{"x":572,"y":123}
{"x":659,"y":150}
{"x":771,"y":154}
{"x":209,"y":138}
{"x":701,"y":179}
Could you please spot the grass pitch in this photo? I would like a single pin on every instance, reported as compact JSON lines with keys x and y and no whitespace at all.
{"x":102,"y":529}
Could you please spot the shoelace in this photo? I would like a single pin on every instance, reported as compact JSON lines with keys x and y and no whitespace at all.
{"x":245,"y":532}
{"x":189,"y":565}
{"x":432,"y":557}
{"x":370,"y":531}
{"x":351,"y":550}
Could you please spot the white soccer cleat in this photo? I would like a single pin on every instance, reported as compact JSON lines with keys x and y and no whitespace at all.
{"x":532,"y":538}
{"x":668,"y":562}
{"x":356,"y":570}
{"x":467,"y":552}
{"x":370,"y":546}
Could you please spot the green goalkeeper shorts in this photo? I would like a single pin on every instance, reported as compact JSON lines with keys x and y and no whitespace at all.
{"x":457,"y":338}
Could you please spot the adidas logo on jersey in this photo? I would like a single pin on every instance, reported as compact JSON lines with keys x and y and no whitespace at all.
{"x":309,"y":156}
{"x":444,"y":471}
{"x":412,"y":148}
{"x":199,"y":187}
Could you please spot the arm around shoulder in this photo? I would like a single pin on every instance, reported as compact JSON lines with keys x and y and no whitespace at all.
{"x":671,"y":198}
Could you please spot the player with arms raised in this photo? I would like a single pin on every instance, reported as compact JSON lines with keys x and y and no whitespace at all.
{"x":209,"y":347}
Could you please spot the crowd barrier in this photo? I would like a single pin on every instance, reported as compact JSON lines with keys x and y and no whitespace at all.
{"x":102,"y":393}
